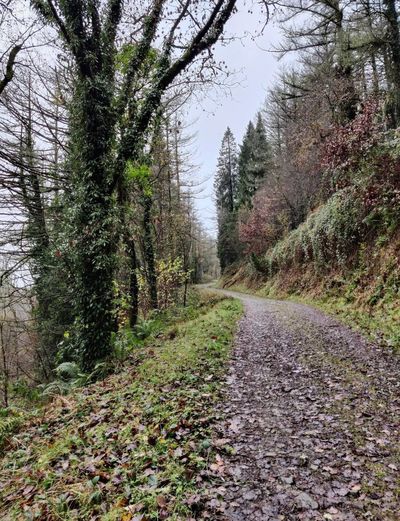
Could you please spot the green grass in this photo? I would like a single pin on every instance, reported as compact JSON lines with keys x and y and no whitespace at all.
{"x":381,"y":323}
{"x":137,"y":444}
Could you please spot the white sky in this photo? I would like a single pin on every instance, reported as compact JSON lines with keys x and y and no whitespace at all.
{"x":257,"y":69}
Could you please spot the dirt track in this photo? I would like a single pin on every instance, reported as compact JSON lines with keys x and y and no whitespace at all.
{"x":312,"y":411}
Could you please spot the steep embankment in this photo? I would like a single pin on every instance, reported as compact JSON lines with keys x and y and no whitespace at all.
{"x":344,"y":258}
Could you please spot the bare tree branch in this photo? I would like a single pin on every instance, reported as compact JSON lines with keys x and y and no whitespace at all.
{"x":9,"y":74}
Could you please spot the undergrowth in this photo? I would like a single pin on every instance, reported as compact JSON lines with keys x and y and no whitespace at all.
{"x":345,"y":257}
{"x":365,"y":210}
{"x":134,"y":446}
{"x":26,"y":399}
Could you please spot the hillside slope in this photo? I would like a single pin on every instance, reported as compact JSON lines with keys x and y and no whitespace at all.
{"x":344,"y":258}
{"x":135,"y":446}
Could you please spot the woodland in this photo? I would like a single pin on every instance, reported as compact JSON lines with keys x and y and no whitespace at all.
{"x":113,"y":348}
{"x":308,"y":203}
{"x":98,"y":218}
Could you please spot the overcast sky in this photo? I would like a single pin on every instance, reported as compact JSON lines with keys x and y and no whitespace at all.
{"x":257,"y":68}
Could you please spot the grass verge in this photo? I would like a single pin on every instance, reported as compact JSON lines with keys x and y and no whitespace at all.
{"x":381,"y":323}
{"x":136,"y":446}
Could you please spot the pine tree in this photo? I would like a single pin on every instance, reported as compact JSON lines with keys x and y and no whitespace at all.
{"x":253,"y":162}
{"x":245,"y":158}
{"x":227,"y":172}
{"x":261,"y":155}
{"x":226,"y":198}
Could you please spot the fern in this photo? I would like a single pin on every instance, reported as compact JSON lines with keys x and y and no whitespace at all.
{"x":145,"y":328}
{"x":55,"y":388}
{"x":68,"y":376}
{"x":67,"y":371}
{"x":10,"y":420}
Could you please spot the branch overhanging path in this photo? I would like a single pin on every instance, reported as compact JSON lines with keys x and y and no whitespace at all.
{"x":311,"y":410}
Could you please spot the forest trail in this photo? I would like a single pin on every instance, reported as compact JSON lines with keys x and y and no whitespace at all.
{"x":312,"y":410}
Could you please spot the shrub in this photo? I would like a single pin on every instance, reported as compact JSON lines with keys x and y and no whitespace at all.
{"x":10,"y":421}
{"x":327,"y":237}
{"x":348,"y":144}
{"x":171,"y":276}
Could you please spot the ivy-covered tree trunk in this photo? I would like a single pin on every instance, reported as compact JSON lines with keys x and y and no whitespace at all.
{"x":148,"y":251}
{"x":133,"y":283}
{"x":30,"y":185}
{"x":93,"y":218}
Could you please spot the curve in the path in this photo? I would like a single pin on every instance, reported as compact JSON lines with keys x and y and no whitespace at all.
{"x":312,"y":413}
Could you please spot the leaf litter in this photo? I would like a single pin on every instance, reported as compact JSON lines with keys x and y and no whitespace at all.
{"x":312,"y":414}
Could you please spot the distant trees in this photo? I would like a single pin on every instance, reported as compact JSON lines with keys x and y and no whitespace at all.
{"x":254,"y":161}
{"x":226,"y":194}
{"x":162,"y":222}
{"x":322,"y":117}
{"x":238,"y":177}
{"x":17,"y":338}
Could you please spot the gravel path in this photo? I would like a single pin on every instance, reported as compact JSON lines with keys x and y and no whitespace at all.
{"x":312,"y":413}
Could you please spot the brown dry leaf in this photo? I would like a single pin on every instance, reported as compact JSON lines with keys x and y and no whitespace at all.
{"x":134,"y":508}
{"x":218,"y":466}
{"x":234,"y":425}
{"x":355,"y":488}
{"x":178,"y":452}
{"x":161,"y":501}
{"x":28,"y":490}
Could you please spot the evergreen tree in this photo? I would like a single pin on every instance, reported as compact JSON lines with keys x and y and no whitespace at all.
{"x":226,"y":198}
{"x":245,"y":158}
{"x":227,"y":173}
{"x":253,"y":162}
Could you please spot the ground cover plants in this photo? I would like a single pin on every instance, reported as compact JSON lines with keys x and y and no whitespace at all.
{"x":137,"y":445}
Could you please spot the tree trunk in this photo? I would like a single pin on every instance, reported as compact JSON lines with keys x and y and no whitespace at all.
{"x":347,"y":108}
{"x":133,"y":283}
{"x":6,"y":375}
{"x":394,"y":61}
{"x":31,"y":188}
{"x":375,"y":76}
{"x":95,"y":241}
{"x":149,"y":251}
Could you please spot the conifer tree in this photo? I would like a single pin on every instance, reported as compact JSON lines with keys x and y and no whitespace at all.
{"x":245,"y":158}
{"x":253,"y":162}
{"x":226,"y":178}
{"x":226,"y":198}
